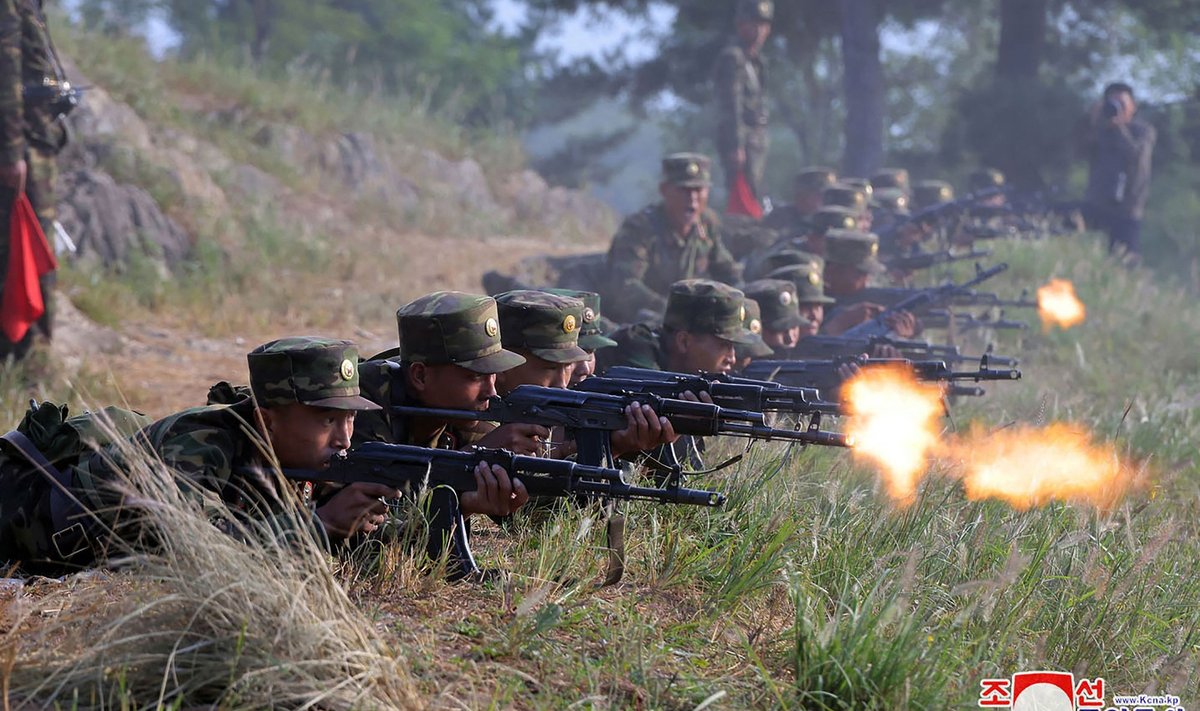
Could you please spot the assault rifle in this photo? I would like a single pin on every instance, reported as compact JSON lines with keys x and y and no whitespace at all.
{"x":411,"y":469}
{"x":962,"y":322}
{"x":593,"y":417}
{"x":741,"y":393}
{"x":820,"y":347}
{"x":988,"y":299}
{"x":920,"y":301}
{"x":823,"y":374}
{"x":924,"y":260}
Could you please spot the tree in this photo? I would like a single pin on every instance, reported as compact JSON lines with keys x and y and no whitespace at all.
{"x":862,"y":86}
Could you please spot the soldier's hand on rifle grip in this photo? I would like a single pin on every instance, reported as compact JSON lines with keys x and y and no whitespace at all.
{"x":517,"y":437}
{"x":904,"y":324}
{"x":696,"y":397}
{"x":646,"y":431}
{"x":13,"y":176}
{"x":356,"y":507}
{"x":496,"y":494}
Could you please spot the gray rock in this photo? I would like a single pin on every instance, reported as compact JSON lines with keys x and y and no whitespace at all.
{"x":110,"y":222}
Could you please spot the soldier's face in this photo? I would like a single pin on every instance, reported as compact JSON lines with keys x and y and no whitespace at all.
{"x":305,"y":437}
{"x":814,"y":243}
{"x":754,"y":33}
{"x":703,"y":353}
{"x":583,"y":370}
{"x":784,"y":339}
{"x":451,"y":386}
{"x":535,"y":371}
{"x":683,"y":204}
{"x":815,"y":314}
{"x":844,"y":279}
{"x":808,"y":201}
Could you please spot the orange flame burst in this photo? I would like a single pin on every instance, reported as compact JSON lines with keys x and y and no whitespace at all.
{"x":1027,"y":466}
{"x":1058,"y":305}
{"x":894,"y":425}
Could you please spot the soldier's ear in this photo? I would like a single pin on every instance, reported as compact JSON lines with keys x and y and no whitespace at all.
{"x":683,"y":341}
{"x":662,"y":189}
{"x":418,"y":377}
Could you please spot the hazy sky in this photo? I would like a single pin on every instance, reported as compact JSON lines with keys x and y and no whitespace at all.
{"x":593,"y":33}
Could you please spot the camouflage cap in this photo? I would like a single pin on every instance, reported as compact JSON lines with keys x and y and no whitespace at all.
{"x":321,"y":372}
{"x":451,"y":327}
{"x":985,"y":178}
{"x":779,"y":258}
{"x":842,"y":195}
{"x":757,"y":10}
{"x":591,"y":331}
{"x":547,"y":325}
{"x":890,"y":178}
{"x":808,"y":282}
{"x":778,"y":301}
{"x":932,"y":192}
{"x":689,"y":170}
{"x":704,"y":306}
{"x":893,"y":200}
{"x":861,"y":183}
{"x":754,"y":324}
{"x":858,"y":249}
{"x":815,"y":179}
{"x":833,"y":217}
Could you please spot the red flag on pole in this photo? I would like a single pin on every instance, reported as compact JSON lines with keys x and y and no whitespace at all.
{"x":29,"y":257}
{"x":742,"y":200}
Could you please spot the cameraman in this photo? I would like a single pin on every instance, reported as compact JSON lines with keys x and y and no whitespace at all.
{"x":32,"y":132}
{"x":1119,"y":149}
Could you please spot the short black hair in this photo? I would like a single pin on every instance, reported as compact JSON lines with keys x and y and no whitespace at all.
{"x":1118,"y":87}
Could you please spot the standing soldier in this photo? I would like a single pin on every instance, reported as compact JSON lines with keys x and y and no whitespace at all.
{"x":741,"y":96}
{"x":34,"y":97}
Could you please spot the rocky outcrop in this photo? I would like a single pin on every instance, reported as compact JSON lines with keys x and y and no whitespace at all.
{"x":111,"y":222}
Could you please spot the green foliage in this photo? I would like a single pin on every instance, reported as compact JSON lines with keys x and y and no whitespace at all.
{"x":440,"y":51}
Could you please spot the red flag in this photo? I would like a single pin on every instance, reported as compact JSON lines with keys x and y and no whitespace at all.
{"x":742,"y":200}
{"x":29,"y":257}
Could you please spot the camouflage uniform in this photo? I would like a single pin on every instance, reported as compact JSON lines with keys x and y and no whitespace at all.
{"x":217,"y":448}
{"x":591,"y":330}
{"x":647,"y":256}
{"x":928,"y":193}
{"x":29,"y":131}
{"x":694,"y":305}
{"x":858,"y":249}
{"x":741,"y":89}
{"x":754,"y":324}
{"x":699,"y":306}
{"x":442,"y":328}
{"x":895,"y":178}
{"x":543,"y":324}
{"x":789,"y":219}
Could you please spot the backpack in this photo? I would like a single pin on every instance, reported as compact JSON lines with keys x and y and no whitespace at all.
{"x":43,"y":526}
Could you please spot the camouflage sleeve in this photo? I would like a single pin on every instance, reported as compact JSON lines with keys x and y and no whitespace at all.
{"x":727,"y":83}
{"x":12,"y":121}
{"x":628,"y":261}
{"x":721,"y":264}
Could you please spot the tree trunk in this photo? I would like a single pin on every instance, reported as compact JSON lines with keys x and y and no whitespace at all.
{"x":863,"y":86}
{"x":1022,"y":38}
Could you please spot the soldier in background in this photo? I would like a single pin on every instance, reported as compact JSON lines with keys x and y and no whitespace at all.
{"x":806,"y":200}
{"x":677,"y":238}
{"x":753,"y":323}
{"x":740,"y":84}
{"x":32,"y":133}
{"x":591,"y":332}
{"x":782,"y":323}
